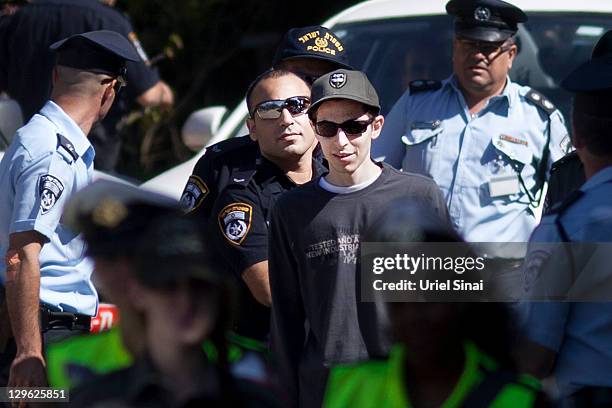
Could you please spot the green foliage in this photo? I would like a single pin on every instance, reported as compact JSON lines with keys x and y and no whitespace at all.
{"x":207,"y":51}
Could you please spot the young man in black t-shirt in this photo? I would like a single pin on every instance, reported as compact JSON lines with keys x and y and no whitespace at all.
{"x":315,"y":236}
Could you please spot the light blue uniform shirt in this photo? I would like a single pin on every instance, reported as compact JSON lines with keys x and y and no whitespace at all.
{"x":432,"y":133}
{"x":580,"y":333}
{"x":38,"y":173}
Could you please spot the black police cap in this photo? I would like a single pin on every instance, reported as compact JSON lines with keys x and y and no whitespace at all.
{"x":102,"y":51}
{"x":485,"y":20}
{"x":113,"y":215}
{"x":315,"y":42}
{"x":595,"y":74}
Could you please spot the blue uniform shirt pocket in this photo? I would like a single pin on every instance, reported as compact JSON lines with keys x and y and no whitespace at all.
{"x":422,"y":143}
{"x":515,"y":149}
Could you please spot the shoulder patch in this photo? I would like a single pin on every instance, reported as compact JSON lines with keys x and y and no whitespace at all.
{"x":193,"y":195}
{"x":67,"y":145}
{"x":50,"y":189}
{"x":424,"y":85}
{"x":231,"y":144}
{"x":235,"y":222}
{"x":541,"y":101}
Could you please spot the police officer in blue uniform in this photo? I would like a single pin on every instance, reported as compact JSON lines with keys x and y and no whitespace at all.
{"x":49,"y":159}
{"x":567,"y":174}
{"x":573,"y":341}
{"x":26,"y":63}
{"x":486,"y":141}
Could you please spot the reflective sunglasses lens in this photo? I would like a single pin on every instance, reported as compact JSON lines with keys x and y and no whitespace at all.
{"x":353,"y":127}
{"x":270,"y":109}
{"x":326,"y":128}
{"x":297,"y":105}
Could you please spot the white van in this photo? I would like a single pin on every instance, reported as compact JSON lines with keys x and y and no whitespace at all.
{"x":396,"y":41}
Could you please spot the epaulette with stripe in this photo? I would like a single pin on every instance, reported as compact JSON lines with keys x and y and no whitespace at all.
{"x":62,"y":141}
{"x":541,"y":101}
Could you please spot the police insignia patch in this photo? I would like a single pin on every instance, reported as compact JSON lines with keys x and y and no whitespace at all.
{"x":533,"y":267}
{"x":194,"y":193}
{"x":50,"y":189}
{"x":337,"y":80}
{"x":235,"y":222}
{"x":482,"y":14}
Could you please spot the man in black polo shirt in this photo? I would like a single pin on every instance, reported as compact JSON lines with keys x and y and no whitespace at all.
{"x":26,"y":63}
{"x":277,"y":103}
{"x":213,"y":172}
{"x":231,"y":165}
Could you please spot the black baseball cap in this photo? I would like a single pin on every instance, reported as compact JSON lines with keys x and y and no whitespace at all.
{"x":595,"y":74}
{"x":315,"y":42}
{"x":103,"y":52}
{"x":485,"y":20}
{"x":343,"y":84}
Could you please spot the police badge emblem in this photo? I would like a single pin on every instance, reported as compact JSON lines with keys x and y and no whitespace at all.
{"x":194,"y":193}
{"x":482,"y":14}
{"x":337,"y":80}
{"x":235,"y":222}
{"x":50,"y":189}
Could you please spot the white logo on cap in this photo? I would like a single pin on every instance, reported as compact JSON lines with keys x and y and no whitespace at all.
{"x":482,"y":14}
{"x":337,"y":80}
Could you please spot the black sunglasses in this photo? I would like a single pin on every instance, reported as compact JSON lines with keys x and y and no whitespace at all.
{"x":296,"y":105}
{"x":326,"y":128}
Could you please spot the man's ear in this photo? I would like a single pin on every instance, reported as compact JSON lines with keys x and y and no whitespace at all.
{"x":250,"y":122}
{"x":109,"y":92}
{"x":377,"y":125}
{"x":511,"y":55}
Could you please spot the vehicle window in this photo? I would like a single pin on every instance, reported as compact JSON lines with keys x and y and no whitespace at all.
{"x":563,"y":43}
{"x":394,"y":52}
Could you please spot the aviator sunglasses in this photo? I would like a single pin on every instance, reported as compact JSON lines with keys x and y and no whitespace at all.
{"x":296,"y":105}
{"x":326,"y":128}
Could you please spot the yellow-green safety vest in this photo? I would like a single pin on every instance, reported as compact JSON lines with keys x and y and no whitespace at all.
{"x":380,"y":384}
{"x":73,"y":360}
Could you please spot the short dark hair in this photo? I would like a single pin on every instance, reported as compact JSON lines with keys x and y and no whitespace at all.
{"x":592,"y":121}
{"x":269,"y":73}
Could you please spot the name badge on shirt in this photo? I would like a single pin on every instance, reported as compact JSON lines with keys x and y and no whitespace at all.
{"x":504,"y":185}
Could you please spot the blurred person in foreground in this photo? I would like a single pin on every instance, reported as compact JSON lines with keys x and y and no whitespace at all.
{"x":183,"y":300}
{"x":99,"y":211}
{"x":447,"y":355}
{"x":572,"y":341}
